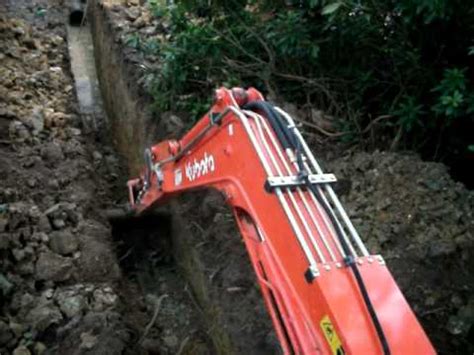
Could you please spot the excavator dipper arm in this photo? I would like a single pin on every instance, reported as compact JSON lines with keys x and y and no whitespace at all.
{"x":324,"y":292}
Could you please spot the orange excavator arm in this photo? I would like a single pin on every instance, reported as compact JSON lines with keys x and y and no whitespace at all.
{"x":325,"y":293}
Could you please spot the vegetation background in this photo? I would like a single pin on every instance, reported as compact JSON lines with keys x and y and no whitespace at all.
{"x":387,"y":74}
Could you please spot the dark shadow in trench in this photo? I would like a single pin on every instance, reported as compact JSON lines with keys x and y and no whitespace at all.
{"x":144,"y":247}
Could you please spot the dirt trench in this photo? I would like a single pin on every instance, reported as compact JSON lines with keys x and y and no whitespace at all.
{"x":71,"y":283}
{"x":409,"y":210}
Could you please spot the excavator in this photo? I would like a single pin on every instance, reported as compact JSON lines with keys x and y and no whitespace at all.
{"x":325,"y":293}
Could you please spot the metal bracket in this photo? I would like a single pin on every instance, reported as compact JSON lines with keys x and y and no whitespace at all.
{"x":159,"y":174}
{"x":215,"y":117}
{"x":293,"y":181}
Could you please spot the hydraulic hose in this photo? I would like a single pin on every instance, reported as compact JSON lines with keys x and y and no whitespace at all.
{"x":276,"y":123}
{"x":288,"y":139}
{"x":349,"y":260}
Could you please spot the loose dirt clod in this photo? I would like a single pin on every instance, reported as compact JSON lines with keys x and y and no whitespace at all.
{"x":421,"y":221}
{"x":46,"y":194}
{"x":62,"y":289}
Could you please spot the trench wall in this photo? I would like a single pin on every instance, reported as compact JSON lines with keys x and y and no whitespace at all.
{"x":134,"y":128}
{"x":131,"y":123}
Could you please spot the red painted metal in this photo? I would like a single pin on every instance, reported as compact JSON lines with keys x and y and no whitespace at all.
{"x":224,"y":158}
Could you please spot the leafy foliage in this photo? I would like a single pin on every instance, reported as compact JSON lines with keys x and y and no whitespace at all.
{"x":452,"y":101}
{"x":409,"y":113}
{"x":408,"y":60}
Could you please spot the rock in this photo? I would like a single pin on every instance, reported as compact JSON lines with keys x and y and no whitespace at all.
{"x":53,"y":184}
{"x":48,"y":294}
{"x":63,"y":242}
{"x":133,"y":13}
{"x":63,"y":211}
{"x":9,"y":195}
{"x":148,"y":31}
{"x":43,"y":224}
{"x":36,"y":120}
{"x":88,"y":341}
{"x":31,"y":43}
{"x":171,"y":341}
{"x":52,"y":153}
{"x":74,"y":132}
{"x":57,"y":40}
{"x":39,"y":348}
{"x":25,"y":268}
{"x":53,"y":267}
{"x":43,"y":316}
{"x":111,"y":161}
{"x":142,"y":21}
{"x":5,"y":333}
{"x":97,"y":263}
{"x":26,"y":301}
{"x":97,"y":156}
{"x":17,"y":329}
{"x":29,"y":162}
{"x":104,"y":298}
{"x":383,"y":204}
{"x":31,"y":182}
{"x":18,"y":216}
{"x":463,"y":321}
{"x":40,"y":237}
{"x":73,"y":147}
{"x":56,"y":119}
{"x":17,"y":130}
{"x":21,"y":350}
{"x":5,"y":286}
{"x":4,"y":241}
{"x":34,"y":213}
{"x":18,"y":254}
{"x":58,"y":223}
{"x":70,"y":302}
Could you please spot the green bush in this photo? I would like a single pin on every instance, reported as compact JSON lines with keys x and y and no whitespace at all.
{"x":407,"y":61}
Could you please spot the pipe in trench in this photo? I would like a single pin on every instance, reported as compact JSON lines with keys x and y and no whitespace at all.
{"x":76,"y":12}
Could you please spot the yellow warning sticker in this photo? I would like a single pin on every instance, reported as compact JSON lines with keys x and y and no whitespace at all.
{"x":331,"y":336}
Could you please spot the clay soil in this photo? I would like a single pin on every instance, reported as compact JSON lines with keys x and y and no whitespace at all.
{"x":70,"y":283}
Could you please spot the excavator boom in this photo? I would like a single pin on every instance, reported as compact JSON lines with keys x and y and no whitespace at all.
{"x":325,"y":293}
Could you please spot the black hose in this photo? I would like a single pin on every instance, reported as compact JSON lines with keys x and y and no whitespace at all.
{"x":288,"y":139}
{"x":273,"y":118}
{"x":350,"y":262}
